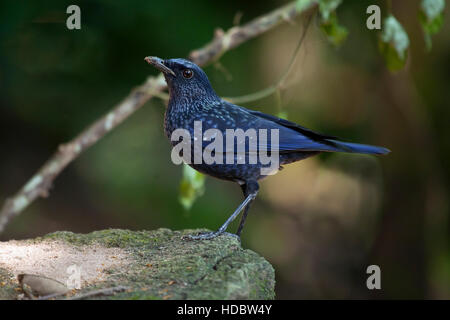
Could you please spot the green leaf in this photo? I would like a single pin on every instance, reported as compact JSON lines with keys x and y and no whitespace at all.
{"x":192,"y":186}
{"x":327,"y":7}
{"x":336,"y":33}
{"x":432,"y":8}
{"x":393,"y":61}
{"x":393,"y":43}
{"x":431,"y":17}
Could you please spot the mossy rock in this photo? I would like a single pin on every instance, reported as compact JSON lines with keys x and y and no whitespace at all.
{"x":156,"y":264}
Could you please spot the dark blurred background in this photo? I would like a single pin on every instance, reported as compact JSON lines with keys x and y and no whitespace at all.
{"x":320,"y":222}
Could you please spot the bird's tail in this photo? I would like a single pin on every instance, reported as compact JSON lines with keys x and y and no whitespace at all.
{"x":358,"y":148}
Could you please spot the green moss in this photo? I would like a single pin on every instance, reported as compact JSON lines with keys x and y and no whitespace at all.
{"x":109,"y":238}
{"x":165,"y":266}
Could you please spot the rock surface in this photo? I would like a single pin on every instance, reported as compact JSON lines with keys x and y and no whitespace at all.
{"x":156,"y":264}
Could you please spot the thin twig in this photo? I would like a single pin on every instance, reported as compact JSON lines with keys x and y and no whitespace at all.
{"x":279,"y":84}
{"x":40,"y":183}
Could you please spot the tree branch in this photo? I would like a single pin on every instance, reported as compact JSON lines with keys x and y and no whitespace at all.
{"x":40,"y":184}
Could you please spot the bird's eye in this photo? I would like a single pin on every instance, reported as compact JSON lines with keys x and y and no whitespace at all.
{"x":188,"y":73}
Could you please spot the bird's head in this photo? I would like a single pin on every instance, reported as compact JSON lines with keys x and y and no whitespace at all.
{"x":184,"y":78}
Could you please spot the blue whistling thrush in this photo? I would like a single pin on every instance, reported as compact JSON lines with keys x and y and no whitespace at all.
{"x":193,"y":100}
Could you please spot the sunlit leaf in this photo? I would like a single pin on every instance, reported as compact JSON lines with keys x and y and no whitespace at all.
{"x":431,"y":17}
{"x":192,"y":186}
{"x":432,"y":8}
{"x":393,"y":43}
{"x":336,"y":33}
{"x":327,"y":7}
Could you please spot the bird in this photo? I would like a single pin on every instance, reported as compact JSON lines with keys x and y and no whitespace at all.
{"x":192,"y":100}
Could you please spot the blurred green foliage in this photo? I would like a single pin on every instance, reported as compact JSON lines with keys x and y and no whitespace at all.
{"x":335,"y":32}
{"x":192,"y":186}
{"x":431,"y":17}
{"x":394,"y":43}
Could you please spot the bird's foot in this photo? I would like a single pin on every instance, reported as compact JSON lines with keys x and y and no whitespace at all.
{"x":209,"y":235}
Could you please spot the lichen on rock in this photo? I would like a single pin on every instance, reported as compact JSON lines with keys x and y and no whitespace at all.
{"x":157,"y":264}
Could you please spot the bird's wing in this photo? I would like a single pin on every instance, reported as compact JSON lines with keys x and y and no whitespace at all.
{"x":292,"y":137}
{"x":292,"y":125}
{"x":308,"y":140}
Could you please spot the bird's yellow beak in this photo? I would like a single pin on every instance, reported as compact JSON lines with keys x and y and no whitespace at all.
{"x":158,"y":63}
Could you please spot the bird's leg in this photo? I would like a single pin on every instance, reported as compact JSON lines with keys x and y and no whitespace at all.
{"x":241,"y":223}
{"x":251,"y":187}
{"x":212,"y":235}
